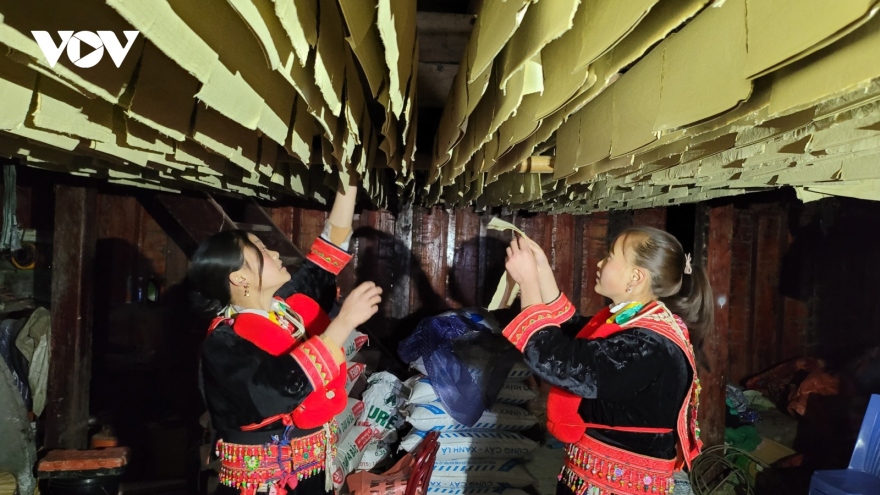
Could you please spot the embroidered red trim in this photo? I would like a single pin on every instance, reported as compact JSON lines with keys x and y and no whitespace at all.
{"x":529,"y":321}
{"x":250,"y":467}
{"x":316,"y":360}
{"x":328,"y":256}
{"x":561,"y":308}
{"x":603,"y":469}
{"x":565,"y":423}
{"x":535,"y":318}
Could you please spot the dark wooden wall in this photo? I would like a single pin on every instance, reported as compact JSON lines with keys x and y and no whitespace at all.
{"x":782,"y":271}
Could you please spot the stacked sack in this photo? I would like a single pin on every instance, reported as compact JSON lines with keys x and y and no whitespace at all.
{"x":486,"y":456}
{"x":354,"y":437}
{"x":368,"y":426}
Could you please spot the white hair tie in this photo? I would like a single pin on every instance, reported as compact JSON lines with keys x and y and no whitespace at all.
{"x":688,"y":269}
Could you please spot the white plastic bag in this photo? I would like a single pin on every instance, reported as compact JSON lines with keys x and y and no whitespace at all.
{"x":355,"y":342}
{"x":480,"y":473}
{"x":512,"y":392}
{"x":346,"y":420}
{"x":376,"y":452}
{"x":349,"y":452}
{"x":427,"y":417}
{"x":383,"y":399}
{"x":465,"y":444}
{"x":353,"y":372}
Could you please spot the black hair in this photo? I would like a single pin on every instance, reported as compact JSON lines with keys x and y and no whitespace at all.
{"x":687,"y":295}
{"x":215,"y":259}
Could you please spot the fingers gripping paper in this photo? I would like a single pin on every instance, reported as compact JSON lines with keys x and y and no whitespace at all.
{"x":505,"y":293}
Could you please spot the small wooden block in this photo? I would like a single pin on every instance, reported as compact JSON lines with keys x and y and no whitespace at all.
{"x":84,"y":460}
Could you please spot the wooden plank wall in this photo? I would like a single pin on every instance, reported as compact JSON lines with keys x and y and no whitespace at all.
{"x":433,"y":259}
{"x":429,"y":260}
{"x":766,"y":327}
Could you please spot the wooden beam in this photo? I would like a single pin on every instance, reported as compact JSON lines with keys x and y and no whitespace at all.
{"x":536,"y":165}
{"x":713,"y":246}
{"x":197,"y":217}
{"x":443,"y":37}
{"x":435,"y":82}
{"x":67,"y":404}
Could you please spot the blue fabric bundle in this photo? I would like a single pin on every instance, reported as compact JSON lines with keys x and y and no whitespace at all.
{"x":466,"y":359}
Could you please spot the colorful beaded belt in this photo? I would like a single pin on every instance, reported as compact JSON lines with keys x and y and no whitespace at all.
{"x":252,"y":468}
{"x":595,"y":468}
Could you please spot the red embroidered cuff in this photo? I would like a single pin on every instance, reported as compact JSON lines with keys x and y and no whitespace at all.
{"x":316,"y":360}
{"x":561,"y":309}
{"x":327,"y":256}
{"x":529,"y":321}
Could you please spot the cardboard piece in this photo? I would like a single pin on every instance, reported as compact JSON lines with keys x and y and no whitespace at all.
{"x":17,"y":84}
{"x":397,"y":27}
{"x":164,"y":96}
{"x":495,"y":25}
{"x":365,"y":40}
{"x":560,"y":81}
{"x":660,"y":21}
{"x":59,"y":109}
{"x":103,"y":80}
{"x":699,"y":83}
{"x":636,"y":104}
{"x":807,"y":26}
{"x":602,"y":25}
{"x":226,"y":138}
{"x":329,"y":57}
{"x":595,"y":128}
{"x":546,"y":21}
{"x":300,"y":21}
{"x":833,"y":70}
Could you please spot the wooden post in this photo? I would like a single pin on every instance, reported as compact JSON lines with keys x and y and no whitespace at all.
{"x":740,"y":347}
{"x":70,"y":363}
{"x":714,"y":238}
{"x":594,"y":229}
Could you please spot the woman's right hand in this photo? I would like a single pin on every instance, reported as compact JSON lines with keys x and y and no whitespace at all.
{"x":360,"y":305}
{"x":540,"y":255}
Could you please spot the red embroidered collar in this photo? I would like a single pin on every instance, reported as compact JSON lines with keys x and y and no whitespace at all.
{"x":276,"y":338}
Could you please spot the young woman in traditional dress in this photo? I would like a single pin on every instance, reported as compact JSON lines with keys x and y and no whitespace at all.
{"x":625,"y":390}
{"x":272,"y":366}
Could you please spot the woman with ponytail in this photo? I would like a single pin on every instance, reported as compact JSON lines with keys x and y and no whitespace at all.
{"x":272,"y":366}
{"x":625,"y":391}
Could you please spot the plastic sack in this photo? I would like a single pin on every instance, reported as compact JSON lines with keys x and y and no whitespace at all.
{"x":376,"y":452}
{"x":353,"y":372}
{"x":510,"y":393}
{"x":466,"y":358}
{"x":346,"y":420}
{"x":475,"y":491}
{"x":464,"y":445}
{"x":428,"y":417}
{"x":480,"y":473}
{"x":355,"y":342}
{"x":383,"y":399}
{"x":349,"y":452}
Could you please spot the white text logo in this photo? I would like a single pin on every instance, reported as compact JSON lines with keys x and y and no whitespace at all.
{"x":74,"y":41}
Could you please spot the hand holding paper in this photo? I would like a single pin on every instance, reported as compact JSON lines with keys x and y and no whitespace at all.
{"x":521,"y":263}
{"x":523,"y":269}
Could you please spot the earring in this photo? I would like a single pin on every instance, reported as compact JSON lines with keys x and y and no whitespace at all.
{"x":629,"y":289}
{"x":247,"y":290}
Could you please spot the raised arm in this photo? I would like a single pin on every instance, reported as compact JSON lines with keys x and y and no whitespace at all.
{"x":328,"y":255}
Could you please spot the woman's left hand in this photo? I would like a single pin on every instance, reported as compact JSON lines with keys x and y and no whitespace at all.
{"x":521,"y":263}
